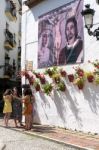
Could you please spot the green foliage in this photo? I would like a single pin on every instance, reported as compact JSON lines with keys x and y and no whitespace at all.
{"x":47,"y":88}
{"x":61,"y":86}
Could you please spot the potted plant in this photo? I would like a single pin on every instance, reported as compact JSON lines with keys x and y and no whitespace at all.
{"x":61,"y":86}
{"x":56,"y":78}
{"x":37,"y":74}
{"x":96,"y":64}
{"x":37,"y":86}
{"x":42,"y":79}
{"x":49,"y":72}
{"x":79,"y":72}
{"x":47,"y":88}
{"x":90,"y":76}
{"x":52,"y":71}
{"x":31,"y":80}
{"x":63,"y":73}
{"x":97,"y":79}
{"x":79,"y":82}
{"x":71,"y":77}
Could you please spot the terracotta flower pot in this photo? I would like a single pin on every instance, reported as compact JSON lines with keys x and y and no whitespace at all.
{"x":49,"y":72}
{"x":42,"y":80}
{"x":37,"y":87}
{"x":71,"y":77}
{"x":90,"y":78}
{"x":80,"y":86}
{"x":57,"y":79}
{"x":37,"y":75}
{"x":31,"y":80}
{"x":63,"y":73}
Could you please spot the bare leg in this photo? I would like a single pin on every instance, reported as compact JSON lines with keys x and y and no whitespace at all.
{"x":15,"y":121}
{"x":7,"y":119}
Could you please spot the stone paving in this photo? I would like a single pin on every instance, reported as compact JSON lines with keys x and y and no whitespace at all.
{"x":88,"y":141}
{"x":14,"y":140}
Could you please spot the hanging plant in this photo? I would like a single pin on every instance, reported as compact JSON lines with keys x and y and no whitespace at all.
{"x":25,"y":73}
{"x":97,"y":79}
{"x":71,"y":77}
{"x":37,"y":74}
{"x":79,"y":72}
{"x":90,"y":76}
{"x":56,"y":78}
{"x":79,"y":82}
{"x":49,"y":72}
{"x":31,"y":80}
{"x":61,"y":86}
{"x":63,"y":73}
{"x":42,"y":79}
{"x":37,"y":86}
{"x":52,"y":71}
{"x":96,"y":64}
{"x":47,"y":88}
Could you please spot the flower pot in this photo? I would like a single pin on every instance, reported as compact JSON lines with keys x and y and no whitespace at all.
{"x":90,"y":78}
{"x":31,"y":80}
{"x":63,"y":89}
{"x":50,"y":73}
{"x":63,"y":73}
{"x":57,"y":79}
{"x":42,"y":80}
{"x":80,"y":86}
{"x":71,"y":77}
{"x":37,"y":87}
{"x":37,"y":75}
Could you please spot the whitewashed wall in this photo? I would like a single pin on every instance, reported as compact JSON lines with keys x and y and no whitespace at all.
{"x":73,"y":109}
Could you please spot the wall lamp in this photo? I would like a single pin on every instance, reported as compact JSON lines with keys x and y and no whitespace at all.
{"x":88,"y":14}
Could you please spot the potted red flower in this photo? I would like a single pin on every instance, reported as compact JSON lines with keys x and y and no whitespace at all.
{"x":79,"y":82}
{"x":63,"y":73}
{"x":56,"y":78}
{"x":71,"y":77}
{"x":90,"y":77}
{"x":37,"y":86}
{"x":42,"y":79}
{"x":31,"y":80}
{"x":49,"y":72}
{"x":79,"y":72}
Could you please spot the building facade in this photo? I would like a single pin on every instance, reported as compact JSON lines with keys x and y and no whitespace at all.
{"x":10,"y":41}
{"x":73,"y":109}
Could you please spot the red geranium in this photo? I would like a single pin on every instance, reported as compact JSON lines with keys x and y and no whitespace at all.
{"x":71,"y":77}
{"x":63,"y":73}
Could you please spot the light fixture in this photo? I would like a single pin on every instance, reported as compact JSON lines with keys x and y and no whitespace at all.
{"x":88,"y":14}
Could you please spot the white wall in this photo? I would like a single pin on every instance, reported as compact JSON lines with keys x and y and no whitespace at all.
{"x":73,"y":109}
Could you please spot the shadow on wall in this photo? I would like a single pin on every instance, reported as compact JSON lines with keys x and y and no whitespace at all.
{"x":71,"y":106}
{"x":36,"y":118}
{"x":91,"y":95}
{"x":62,"y":99}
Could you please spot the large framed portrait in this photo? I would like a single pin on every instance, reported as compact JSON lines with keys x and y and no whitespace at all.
{"x":61,"y":36}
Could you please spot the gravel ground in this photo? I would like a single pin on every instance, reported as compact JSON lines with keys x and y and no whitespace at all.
{"x":15,"y":140}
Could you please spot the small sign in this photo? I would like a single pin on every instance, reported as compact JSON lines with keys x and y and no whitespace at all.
{"x":29,"y":65}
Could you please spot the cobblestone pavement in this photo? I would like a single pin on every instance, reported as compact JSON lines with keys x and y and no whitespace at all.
{"x":15,"y":140}
{"x":88,"y":141}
